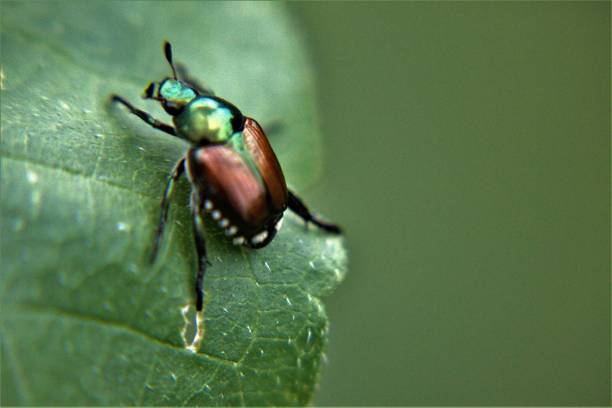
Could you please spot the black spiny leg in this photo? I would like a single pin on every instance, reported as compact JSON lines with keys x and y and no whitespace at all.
{"x":144,"y":116}
{"x":177,"y":172}
{"x":198,"y":232}
{"x":297,"y":206}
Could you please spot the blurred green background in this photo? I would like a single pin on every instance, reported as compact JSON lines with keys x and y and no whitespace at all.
{"x":467,"y":154}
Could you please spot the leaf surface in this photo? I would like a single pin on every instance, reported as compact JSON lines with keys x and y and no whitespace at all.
{"x":84,"y":319}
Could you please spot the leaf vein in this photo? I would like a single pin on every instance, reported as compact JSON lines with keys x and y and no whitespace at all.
{"x":118,"y":326}
{"x":19,"y":376}
{"x":146,"y":382}
{"x":72,"y":172}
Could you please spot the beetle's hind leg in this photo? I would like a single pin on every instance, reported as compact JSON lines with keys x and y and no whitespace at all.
{"x":200,"y":243}
{"x":146,"y":117}
{"x":177,"y":172}
{"x":297,"y":206}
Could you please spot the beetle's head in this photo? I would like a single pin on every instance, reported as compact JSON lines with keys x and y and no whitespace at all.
{"x":208,"y":120}
{"x":170,"y":92}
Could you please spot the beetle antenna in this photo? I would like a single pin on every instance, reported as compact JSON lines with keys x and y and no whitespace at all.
{"x":168,"y":53}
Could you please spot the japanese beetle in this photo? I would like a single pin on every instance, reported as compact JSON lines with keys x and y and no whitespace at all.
{"x":233,"y":171}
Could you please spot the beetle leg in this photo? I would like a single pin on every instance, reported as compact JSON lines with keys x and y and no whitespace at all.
{"x":192,"y":82}
{"x":177,"y":172}
{"x":200,"y":242}
{"x":145,"y":116}
{"x":297,"y":206}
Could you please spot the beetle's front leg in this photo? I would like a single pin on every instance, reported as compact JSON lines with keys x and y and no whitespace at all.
{"x":297,"y":206}
{"x":146,"y":117}
{"x":200,"y":242}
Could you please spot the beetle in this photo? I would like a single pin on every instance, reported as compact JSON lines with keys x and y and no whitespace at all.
{"x":231,"y":167}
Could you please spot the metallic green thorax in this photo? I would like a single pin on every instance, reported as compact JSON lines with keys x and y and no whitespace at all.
{"x":205,"y":118}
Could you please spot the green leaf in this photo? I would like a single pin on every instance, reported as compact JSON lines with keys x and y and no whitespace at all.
{"x":84,"y":319}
